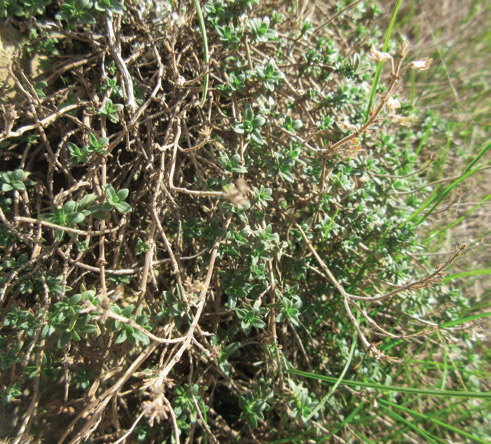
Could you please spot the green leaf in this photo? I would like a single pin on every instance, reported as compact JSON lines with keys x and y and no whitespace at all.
{"x":202,"y":28}
{"x":123,"y":193}
{"x":287,"y":176}
{"x":89,"y":328}
{"x":74,"y":218}
{"x":256,"y":136}
{"x":84,"y":4}
{"x":110,"y":192}
{"x":87,"y":200}
{"x":464,"y":320}
{"x":75,"y":299}
{"x":47,"y":331}
{"x":19,"y":175}
{"x":123,"y":207}
{"x":101,"y":215}
{"x":126,"y":312}
{"x":258,"y":121}
{"x":338,"y":381}
{"x":258,"y":323}
{"x":93,"y":140}
{"x":121,"y":337}
{"x":64,"y":339}
{"x":248,"y":113}
{"x":239,"y":127}
{"x":423,"y":433}
{"x":471,"y":273}
{"x":70,"y":206}
{"x":141,"y":337}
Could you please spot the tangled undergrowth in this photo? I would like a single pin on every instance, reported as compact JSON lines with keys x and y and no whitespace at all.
{"x":204,"y":215}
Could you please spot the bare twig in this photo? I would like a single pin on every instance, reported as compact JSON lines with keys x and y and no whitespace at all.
{"x":116,"y":53}
{"x":66,"y":229}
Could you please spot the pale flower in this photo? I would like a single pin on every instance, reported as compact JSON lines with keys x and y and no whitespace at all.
{"x":393,"y":105}
{"x":347,"y":126}
{"x":420,"y":65}
{"x":379,"y":56}
{"x":401,"y":120}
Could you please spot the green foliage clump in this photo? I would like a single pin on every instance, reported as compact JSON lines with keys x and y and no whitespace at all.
{"x":23,"y":8}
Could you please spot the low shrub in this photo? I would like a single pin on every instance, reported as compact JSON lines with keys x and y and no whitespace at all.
{"x":207,"y":234}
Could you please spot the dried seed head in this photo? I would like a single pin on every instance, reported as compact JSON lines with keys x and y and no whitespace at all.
{"x":242,"y":186}
{"x":379,"y":56}
{"x":206,"y":131}
{"x":237,"y":194}
{"x":9,"y":116}
{"x":420,"y":65}
{"x":403,"y":48}
{"x":156,"y":410}
{"x":196,"y":286}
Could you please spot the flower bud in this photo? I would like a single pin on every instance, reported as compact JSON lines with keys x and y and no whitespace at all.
{"x":403,"y":48}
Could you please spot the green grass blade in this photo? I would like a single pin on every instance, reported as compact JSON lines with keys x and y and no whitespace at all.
{"x":451,"y":277}
{"x":412,"y":426}
{"x":364,"y":439}
{"x":423,"y":142}
{"x":391,"y":388}
{"x":445,"y":156}
{"x":437,"y":197}
{"x":301,"y":438}
{"x":338,"y":381}
{"x":441,"y":196}
{"x":456,"y":222}
{"x":438,"y":412}
{"x":380,"y":64}
{"x":206,"y":56}
{"x":445,"y":368}
{"x":464,"y":320}
{"x":345,"y":422}
{"x":328,"y":228}
{"x":483,"y":305}
{"x":433,"y":420}
{"x":477,"y":158}
{"x":436,"y":366}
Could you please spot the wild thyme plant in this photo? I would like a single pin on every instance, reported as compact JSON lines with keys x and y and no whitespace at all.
{"x":199,"y":222}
